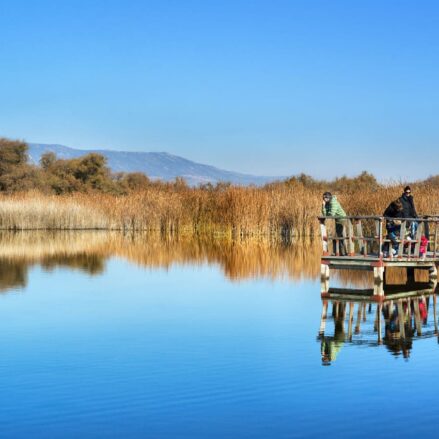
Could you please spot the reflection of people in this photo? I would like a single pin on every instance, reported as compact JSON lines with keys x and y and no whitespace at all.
{"x":396,"y":341}
{"x":330,"y":346}
{"x":332,"y":207}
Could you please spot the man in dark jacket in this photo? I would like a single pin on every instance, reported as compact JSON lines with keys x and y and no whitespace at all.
{"x":393,"y":225}
{"x":409,"y":210}
{"x":408,"y":205}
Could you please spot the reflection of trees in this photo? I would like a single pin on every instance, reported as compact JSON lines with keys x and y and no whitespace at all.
{"x":20,"y":250}
{"x":12,"y":275}
{"x":89,"y":263}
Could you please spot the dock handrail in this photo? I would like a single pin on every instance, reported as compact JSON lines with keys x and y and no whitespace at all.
{"x":364,"y":236}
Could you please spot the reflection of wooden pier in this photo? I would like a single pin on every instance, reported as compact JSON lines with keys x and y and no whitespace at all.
{"x":359,"y":243}
{"x":396,"y":321}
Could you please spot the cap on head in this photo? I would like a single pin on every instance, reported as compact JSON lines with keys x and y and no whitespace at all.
{"x":407,"y":188}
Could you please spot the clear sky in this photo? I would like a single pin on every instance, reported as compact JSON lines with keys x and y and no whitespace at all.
{"x":266,"y":87}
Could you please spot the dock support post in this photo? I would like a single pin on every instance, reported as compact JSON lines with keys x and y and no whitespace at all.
{"x":433,"y":272}
{"x":378,"y":274}
{"x":324,"y":271}
{"x":324,"y":279}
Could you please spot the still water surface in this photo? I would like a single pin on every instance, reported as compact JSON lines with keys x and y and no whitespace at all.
{"x":106,"y":336}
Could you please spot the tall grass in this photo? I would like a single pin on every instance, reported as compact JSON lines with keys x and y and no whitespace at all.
{"x":273,"y":211}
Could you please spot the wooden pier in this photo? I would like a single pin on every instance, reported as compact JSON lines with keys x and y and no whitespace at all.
{"x":364,"y":243}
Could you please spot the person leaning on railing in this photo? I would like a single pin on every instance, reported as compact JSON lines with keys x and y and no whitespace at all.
{"x":393,"y":226}
{"x":332,"y":207}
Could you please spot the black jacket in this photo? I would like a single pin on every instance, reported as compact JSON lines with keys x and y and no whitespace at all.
{"x":393,"y":212}
{"x":408,"y":206}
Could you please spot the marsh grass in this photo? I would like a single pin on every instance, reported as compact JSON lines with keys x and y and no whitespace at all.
{"x":274,"y":211}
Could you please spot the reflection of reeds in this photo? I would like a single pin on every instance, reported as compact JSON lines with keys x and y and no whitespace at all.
{"x":239,"y":259}
{"x":36,"y":246}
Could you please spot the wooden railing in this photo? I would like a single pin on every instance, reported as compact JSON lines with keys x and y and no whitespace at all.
{"x":368,"y":237}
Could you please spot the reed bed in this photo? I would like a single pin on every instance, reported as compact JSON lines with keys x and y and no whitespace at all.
{"x":275,"y":211}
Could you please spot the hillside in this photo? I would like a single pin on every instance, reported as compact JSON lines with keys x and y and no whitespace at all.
{"x":156,"y":165}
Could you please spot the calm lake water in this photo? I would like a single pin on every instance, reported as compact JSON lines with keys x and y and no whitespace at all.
{"x":111,"y":336}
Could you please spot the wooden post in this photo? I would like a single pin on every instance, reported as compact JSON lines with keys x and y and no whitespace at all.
{"x":432,"y":271}
{"x":380,"y":237}
{"x":378,"y":289}
{"x":351,"y":244}
{"x":360,"y":236}
{"x":435,"y":238}
{"x":417,"y":317}
{"x":401,"y":318}
{"x":421,"y":227}
{"x":357,"y":325}
{"x":323,"y":318}
{"x":324,"y":235}
{"x":435,"y":314}
{"x":378,"y":274}
{"x":351,"y":320}
{"x":324,"y":271}
{"x":401,"y":240}
{"x":379,"y":329}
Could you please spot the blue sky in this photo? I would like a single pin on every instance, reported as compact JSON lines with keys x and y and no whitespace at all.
{"x":264,"y":87}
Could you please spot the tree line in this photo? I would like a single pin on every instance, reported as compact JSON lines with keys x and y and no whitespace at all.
{"x":61,"y":176}
{"x":90,"y":173}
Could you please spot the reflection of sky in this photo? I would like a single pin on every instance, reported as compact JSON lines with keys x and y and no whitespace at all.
{"x":185,"y":353}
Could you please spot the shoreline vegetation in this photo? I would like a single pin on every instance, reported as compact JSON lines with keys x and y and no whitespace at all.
{"x":82,"y":193}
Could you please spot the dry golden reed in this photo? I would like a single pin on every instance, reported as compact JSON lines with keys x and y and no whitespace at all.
{"x":278,"y":210}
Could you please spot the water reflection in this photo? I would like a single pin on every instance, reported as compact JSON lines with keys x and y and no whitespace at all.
{"x":88,"y":252}
{"x":401,"y":318}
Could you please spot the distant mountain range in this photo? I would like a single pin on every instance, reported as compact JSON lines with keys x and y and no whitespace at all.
{"x":156,"y":165}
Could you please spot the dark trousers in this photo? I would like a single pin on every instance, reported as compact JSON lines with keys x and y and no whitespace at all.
{"x":339,"y":234}
{"x":393,"y":233}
